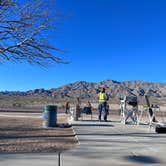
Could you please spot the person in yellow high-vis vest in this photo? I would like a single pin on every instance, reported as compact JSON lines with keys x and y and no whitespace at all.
{"x":102,"y":107}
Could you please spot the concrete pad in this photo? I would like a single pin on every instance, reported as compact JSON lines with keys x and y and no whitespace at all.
{"x":112,"y":143}
{"x":102,"y":143}
{"x":29,"y":159}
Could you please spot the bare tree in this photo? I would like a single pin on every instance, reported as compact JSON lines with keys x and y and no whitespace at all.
{"x":23,"y":29}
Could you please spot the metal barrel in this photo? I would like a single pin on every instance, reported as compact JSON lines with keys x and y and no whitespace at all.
{"x":49,"y":116}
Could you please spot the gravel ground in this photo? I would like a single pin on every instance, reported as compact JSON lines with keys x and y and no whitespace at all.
{"x":26,"y":135}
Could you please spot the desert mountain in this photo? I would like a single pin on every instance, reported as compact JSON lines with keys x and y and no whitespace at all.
{"x":87,"y":90}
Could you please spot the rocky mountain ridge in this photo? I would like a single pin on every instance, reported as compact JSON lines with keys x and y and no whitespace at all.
{"x":87,"y":90}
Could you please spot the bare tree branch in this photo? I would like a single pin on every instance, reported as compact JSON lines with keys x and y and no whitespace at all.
{"x":22,"y":31}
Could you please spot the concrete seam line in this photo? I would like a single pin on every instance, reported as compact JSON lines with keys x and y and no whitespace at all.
{"x":76,"y":136}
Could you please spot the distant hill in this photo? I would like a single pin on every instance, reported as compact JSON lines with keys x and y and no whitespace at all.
{"x":87,"y":90}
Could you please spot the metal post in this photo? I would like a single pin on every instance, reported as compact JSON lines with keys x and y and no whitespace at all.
{"x":77,"y":110}
{"x":53,"y":99}
{"x":59,"y":159}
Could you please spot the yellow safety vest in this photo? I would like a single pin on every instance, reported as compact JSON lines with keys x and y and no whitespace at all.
{"x":102,"y":97}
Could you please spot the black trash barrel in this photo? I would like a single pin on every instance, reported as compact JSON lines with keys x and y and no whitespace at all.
{"x":49,"y":116}
{"x":160,"y":129}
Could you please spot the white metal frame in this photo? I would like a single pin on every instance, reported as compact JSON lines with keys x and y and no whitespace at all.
{"x":155,"y":110}
{"x":126,"y":114}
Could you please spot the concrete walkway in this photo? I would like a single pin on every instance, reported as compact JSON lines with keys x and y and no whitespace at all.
{"x":114,"y":144}
{"x":102,"y":144}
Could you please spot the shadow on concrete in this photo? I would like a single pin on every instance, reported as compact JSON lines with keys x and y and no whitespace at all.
{"x":143,"y":159}
{"x":149,"y":135}
{"x":119,"y":142}
{"x":91,"y":125}
{"x":88,"y":120}
{"x":96,"y":120}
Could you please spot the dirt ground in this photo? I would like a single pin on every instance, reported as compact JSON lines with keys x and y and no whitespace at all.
{"x":21,"y":131}
{"x":26,"y":135}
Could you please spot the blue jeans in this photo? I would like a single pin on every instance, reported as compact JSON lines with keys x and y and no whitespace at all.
{"x":102,"y":107}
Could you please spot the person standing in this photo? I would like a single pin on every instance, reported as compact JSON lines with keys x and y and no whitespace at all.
{"x":89,"y":104}
{"x":102,"y":107}
{"x":67,"y":107}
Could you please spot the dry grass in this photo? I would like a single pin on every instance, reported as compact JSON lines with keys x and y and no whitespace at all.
{"x":26,"y":135}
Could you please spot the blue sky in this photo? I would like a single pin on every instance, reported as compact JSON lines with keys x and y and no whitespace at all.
{"x":106,"y":39}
